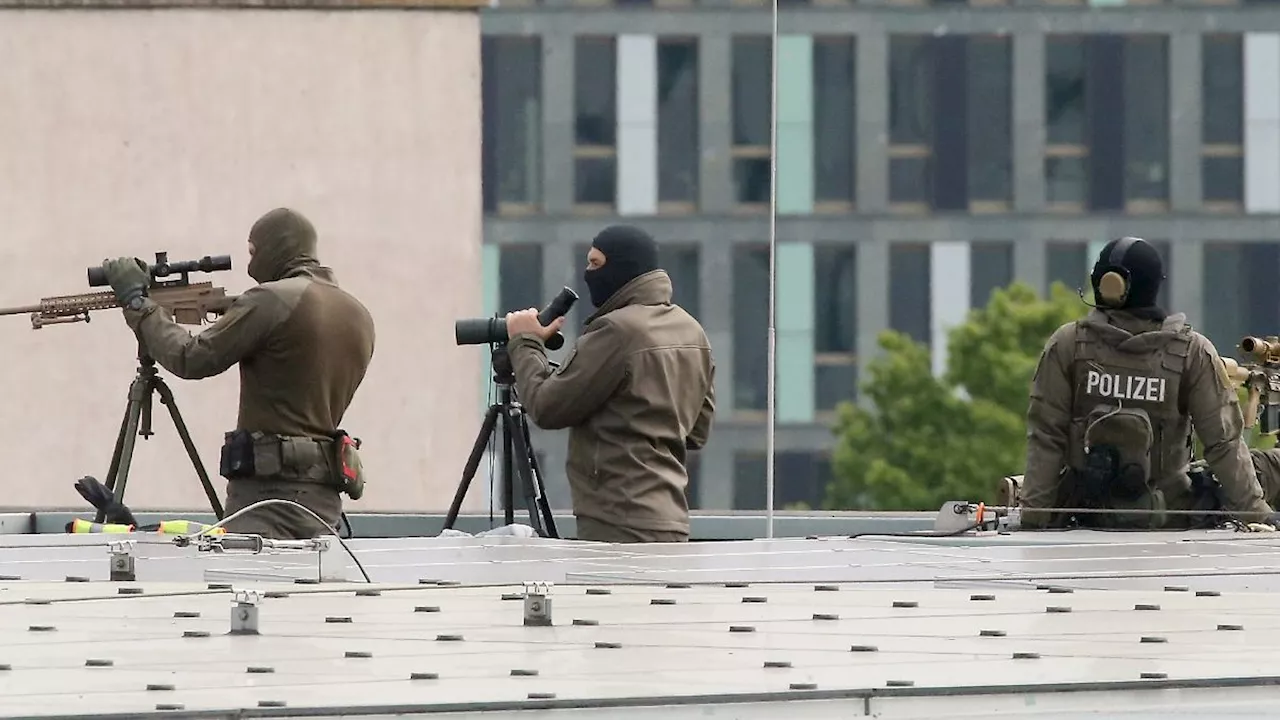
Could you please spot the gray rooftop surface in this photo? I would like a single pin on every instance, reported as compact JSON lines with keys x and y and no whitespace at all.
{"x":1141,"y":624}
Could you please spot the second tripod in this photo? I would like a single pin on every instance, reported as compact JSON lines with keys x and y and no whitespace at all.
{"x":517,"y":456}
{"x":137,"y":421}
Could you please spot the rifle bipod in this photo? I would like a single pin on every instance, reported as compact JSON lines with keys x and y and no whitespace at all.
{"x":137,"y":421}
{"x":518,"y":458}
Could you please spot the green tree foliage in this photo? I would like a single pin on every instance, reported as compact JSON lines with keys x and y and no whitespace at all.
{"x":928,"y":440}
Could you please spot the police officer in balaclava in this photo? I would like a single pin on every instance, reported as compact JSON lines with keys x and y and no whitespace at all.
{"x":626,"y":253}
{"x":636,"y":392}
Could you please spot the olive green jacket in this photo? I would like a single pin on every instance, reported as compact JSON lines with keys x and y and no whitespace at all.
{"x":302,"y":343}
{"x":637,"y":392}
{"x":1205,"y":402}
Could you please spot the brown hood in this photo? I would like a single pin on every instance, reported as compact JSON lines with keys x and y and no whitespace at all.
{"x":1130,"y":333}
{"x":651,"y":288}
{"x":284,"y":243}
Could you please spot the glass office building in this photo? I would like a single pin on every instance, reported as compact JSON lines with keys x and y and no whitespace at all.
{"x":928,"y":152}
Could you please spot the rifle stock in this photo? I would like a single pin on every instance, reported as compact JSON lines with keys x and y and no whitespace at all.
{"x":1261,"y":380}
{"x":190,"y":304}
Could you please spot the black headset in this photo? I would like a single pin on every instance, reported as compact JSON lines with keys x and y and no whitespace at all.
{"x":1113,"y":286}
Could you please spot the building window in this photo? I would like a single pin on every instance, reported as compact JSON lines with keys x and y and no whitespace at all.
{"x":750,"y":328}
{"x":512,"y":123}
{"x":677,"y":125}
{"x":1107,"y":116}
{"x":910,"y":123}
{"x":909,"y":291}
{"x":950,"y":123}
{"x":1068,"y":262}
{"x":990,"y":128}
{"x":752,"y":76}
{"x":1066,"y":163}
{"x":834,"y":136}
{"x":835,"y":299}
{"x":520,"y":277}
{"x":1145,"y":148}
{"x":681,"y":263}
{"x":1222,"y":134}
{"x":1241,"y":279}
{"x":806,"y":474}
{"x":990,"y":269}
{"x":595,"y":151}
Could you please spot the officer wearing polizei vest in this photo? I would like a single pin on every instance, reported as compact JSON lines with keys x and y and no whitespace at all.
{"x":1114,"y":401}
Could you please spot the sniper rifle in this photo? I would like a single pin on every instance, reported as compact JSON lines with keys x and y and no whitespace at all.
{"x":1261,"y":379}
{"x":190,"y":303}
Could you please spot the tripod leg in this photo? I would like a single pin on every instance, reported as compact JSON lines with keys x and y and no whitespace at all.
{"x":515,"y":429}
{"x":166,"y":397}
{"x":116,"y":455}
{"x":144,"y":417}
{"x":122,"y":456}
{"x":473,"y":464}
{"x":508,"y":474}
{"x":544,"y":505}
{"x":118,"y":452}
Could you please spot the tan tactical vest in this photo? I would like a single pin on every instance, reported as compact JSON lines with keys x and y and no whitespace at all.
{"x":1120,"y":396}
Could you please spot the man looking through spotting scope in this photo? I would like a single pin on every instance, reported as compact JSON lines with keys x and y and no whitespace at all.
{"x":1114,"y":400}
{"x":303,"y":345}
{"x":636,"y":391}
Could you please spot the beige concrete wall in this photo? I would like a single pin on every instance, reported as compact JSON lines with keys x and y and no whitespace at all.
{"x":126,"y":132}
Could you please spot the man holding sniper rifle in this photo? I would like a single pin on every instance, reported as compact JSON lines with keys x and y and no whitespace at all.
{"x":303,"y":345}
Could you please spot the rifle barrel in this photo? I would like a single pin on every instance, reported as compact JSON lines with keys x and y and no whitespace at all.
{"x":190,"y":304}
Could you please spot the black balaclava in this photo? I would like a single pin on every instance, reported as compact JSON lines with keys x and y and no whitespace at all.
{"x":283,"y":240}
{"x":1146,"y":274}
{"x":629,"y":252}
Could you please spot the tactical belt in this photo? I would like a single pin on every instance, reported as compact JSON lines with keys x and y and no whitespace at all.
{"x":267,"y":456}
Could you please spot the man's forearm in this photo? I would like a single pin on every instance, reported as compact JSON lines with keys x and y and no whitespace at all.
{"x":1233,"y":466}
{"x":167,"y":342}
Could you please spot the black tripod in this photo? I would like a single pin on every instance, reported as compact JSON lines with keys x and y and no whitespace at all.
{"x":137,"y":421}
{"x":517,"y":454}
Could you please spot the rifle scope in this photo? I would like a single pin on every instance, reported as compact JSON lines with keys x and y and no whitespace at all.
{"x":164,"y":268}
{"x":487,"y":331}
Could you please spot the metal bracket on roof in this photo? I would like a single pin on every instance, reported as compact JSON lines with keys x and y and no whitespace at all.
{"x":955,"y":516}
{"x":537,"y":604}
{"x":332,"y":566}
{"x":122,"y":560}
{"x":962,"y":517}
{"x":244,"y":613}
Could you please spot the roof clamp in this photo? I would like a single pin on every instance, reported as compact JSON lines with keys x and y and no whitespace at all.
{"x":332,"y":565}
{"x":537,"y":604}
{"x":244,"y":613}
{"x":122,"y":560}
{"x":957,"y":517}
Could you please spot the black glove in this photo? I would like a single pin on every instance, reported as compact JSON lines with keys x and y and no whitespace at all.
{"x":128,"y":277}
{"x":113,"y":511}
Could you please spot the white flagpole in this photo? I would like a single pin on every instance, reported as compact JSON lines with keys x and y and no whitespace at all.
{"x":773,"y":253}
